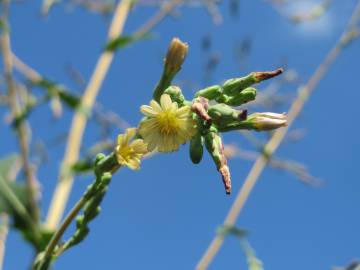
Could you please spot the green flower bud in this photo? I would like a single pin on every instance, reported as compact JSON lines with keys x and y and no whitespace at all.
{"x":173,"y":61}
{"x":213,"y":144}
{"x":234,"y":86}
{"x":196,"y":148}
{"x":222,"y":114}
{"x":215,"y":148}
{"x":243,"y":97}
{"x":175,"y":94}
{"x":211,"y":92}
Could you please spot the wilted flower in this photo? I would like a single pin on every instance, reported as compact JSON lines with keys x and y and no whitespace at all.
{"x":167,"y":125}
{"x":175,"y":56}
{"x":130,"y":153}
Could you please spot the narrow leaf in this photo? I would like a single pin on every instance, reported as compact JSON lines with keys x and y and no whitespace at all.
{"x":123,"y":41}
{"x":56,"y":90}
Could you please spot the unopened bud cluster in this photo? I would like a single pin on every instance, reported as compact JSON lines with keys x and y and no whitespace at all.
{"x":214,"y":111}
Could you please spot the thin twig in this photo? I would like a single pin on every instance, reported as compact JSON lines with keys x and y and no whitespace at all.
{"x":78,"y":124}
{"x":276,"y":139}
{"x":64,"y":225}
{"x":31,"y":74}
{"x":165,"y":9}
{"x":109,"y":166}
{"x":16,"y":110}
{"x":4,"y":228}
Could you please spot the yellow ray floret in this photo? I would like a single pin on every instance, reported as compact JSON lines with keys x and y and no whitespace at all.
{"x":167,"y":126}
{"x":130,"y":153}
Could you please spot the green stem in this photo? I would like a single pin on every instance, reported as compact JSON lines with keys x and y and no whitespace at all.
{"x":164,"y":83}
{"x":59,"y":233}
{"x":106,"y":164}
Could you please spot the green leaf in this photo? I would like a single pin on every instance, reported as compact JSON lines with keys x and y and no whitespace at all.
{"x":6,"y":164}
{"x":10,"y":190}
{"x":83,"y":166}
{"x":70,"y":99}
{"x":232,"y":230}
{"x":15,"y":201}
{"x":124,"y":41}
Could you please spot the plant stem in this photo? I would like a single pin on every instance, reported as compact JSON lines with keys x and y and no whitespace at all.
{"x":16,"y":110}
{"x":108,"y":164}
{"x":276,"y":139}
{"x":4,"y":229}
{"x":78,"y":124}
{"x":65,"y":224}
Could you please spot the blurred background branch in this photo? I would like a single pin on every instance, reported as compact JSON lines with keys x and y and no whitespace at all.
{"x":278,"y":136}
{"x":62,"y":190}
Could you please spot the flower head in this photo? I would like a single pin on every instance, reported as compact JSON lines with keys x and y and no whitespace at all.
{"x":167,"y":126}
{"x":267,"y":120}
{"x":130,"y":153}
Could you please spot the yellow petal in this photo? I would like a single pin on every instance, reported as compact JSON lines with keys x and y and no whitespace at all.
{"x":148,"y":126}
{"x":165,"y":102}
{"x":183,"y":112}
{"x":155,"y":106}
{"x":148,"y":111}
{"x":131,"y":132}
{"x":139,"y":146}
{"x":134,"y":164}
{"x":120,"y":139}
{"x":174,"y":107}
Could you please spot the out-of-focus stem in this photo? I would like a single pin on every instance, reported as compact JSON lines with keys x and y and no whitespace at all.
{"x":16,"y":110}
{"x":4,"y":228}
{"x":78,"y":124}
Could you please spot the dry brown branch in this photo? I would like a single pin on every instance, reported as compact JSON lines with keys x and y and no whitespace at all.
{"x":276,"y":139}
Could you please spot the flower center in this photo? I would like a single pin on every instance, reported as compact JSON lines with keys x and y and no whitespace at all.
{"x":126,"y":152}
{"x":167,"y":121}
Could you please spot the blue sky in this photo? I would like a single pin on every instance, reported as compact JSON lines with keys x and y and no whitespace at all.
{"x":164,"y":216}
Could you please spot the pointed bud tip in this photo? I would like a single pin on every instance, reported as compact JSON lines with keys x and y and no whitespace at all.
{"x":176,"y":55}
{"x":265,"y":75}
{"x":225,"y":174}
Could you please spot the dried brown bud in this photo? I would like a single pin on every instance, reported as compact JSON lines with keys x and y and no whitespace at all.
{"x":265,"y":75}
{"x":225,"y":174}
{"x":200,"y":106}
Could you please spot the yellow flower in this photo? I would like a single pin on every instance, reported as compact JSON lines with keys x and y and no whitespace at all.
{"x":130,"y":153}
{"x":167,"y":125}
